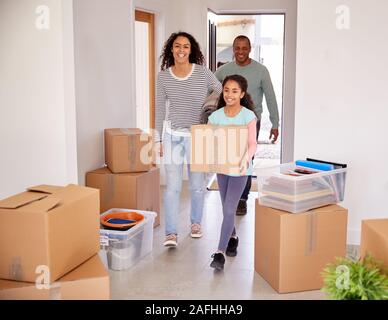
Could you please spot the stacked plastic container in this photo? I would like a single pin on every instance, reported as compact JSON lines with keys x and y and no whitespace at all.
{"x":280,"y":187}
{"x":122,"y":249}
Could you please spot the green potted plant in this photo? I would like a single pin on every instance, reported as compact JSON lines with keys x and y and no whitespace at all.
{"x":351,"y":279}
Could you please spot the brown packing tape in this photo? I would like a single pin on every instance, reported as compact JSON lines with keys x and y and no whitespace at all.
{"x":15,"y":269}
{"x":194,"y":153}
{"x":311,"y":233}
{"x":55,"y":291}
{"x":109,"y":189}
{"x":132,"y":151}
{"x":266,"y":266}
{"x":214,"y":162}
{"x":131,"y":146}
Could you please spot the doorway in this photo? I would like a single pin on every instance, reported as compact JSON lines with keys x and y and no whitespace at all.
{"x":266,"y":33}
{"x":145,"y":70}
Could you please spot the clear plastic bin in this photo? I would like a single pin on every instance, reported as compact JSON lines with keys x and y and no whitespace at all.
{"x":124,"y":248}
{"x":280,"y":190}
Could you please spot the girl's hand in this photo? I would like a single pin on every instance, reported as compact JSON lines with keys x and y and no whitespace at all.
{"x":244,"y":166}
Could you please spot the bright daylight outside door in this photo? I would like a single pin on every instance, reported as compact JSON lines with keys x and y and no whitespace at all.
{"x":266,"y":33}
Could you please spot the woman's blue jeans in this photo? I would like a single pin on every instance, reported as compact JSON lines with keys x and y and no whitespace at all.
{"x":176,"y":150}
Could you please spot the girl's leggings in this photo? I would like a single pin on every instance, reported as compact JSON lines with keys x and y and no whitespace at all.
{"x":231,"y":189}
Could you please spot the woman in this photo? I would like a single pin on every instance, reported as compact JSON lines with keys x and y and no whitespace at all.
{"x":182,"y":86}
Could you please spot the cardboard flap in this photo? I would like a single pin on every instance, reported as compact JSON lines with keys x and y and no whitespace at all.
{"x":44,"y":205}
{"x":44,"y":188}
{"x":21,"y":199}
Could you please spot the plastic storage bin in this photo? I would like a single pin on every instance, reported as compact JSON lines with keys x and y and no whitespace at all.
{"x":122,"y":249}
{"x":281,"y":190}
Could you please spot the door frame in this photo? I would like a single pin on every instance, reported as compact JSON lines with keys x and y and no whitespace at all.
{"x":149,"y":18}
{"x":289,"y":68}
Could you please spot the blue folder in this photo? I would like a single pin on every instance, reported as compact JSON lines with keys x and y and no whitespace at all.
{"x":314,"y":165}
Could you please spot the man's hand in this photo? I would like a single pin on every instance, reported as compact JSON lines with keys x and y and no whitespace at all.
{"x":274,"y":133}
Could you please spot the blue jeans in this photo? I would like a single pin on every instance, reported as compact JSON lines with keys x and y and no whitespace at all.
{"x":175,"y":150}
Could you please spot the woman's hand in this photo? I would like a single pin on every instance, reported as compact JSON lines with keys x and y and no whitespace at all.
{"x":160,"y":149}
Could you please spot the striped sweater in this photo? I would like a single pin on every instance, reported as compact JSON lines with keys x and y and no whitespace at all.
{"x":185,"y":97}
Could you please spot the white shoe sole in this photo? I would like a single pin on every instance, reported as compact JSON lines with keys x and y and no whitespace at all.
{"x":170,"y":243}
{"x":195,"y":235}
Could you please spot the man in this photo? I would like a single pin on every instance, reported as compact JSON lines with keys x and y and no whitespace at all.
{"x":259,"y":84}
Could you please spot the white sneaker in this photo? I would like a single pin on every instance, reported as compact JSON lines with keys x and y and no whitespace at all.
{"x":196,"y":230}
{"x":171,"y":240}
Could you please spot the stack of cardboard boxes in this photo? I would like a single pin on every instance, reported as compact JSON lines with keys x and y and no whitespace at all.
{"x":130,"y":180}
{"x":292,"y":249}
{"x":49,"y":239}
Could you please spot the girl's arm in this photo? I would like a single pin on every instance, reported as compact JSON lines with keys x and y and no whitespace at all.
{"x":252,"y":144}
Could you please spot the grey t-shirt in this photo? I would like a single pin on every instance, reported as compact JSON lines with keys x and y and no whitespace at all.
{"x":259,"y":84}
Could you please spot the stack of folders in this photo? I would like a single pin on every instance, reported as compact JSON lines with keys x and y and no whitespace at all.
{"x":306,"y":185}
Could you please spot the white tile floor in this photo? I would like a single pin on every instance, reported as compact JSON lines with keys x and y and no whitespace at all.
{"x":184,"y":272}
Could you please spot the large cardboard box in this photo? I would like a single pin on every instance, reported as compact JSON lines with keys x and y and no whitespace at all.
{"x":128,"y":150}
{"x":48,"y":230}
{"x":374,"y":240}
{"x":127,"y":190}
{"x":291,"y":250}
{"x":89,"y":281}
{"x":218,"y":149}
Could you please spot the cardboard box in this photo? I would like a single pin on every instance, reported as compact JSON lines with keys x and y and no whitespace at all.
{"x":90,"y":281}
{"x":127,"y":190}
{"x":218,"y":149}
{"x":128,"y":150}
{"x":374,"y":240}
{"x":56,"y":227}
{"x":291,"y":250}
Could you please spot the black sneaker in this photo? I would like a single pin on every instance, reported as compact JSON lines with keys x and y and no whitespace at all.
{"x":218,"y":261}
{"x":231,"y":250}
{"x":242,"y":207}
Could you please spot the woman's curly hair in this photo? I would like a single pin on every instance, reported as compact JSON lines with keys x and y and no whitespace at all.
{"x":246,"y":100}
{"x":167,"y":57}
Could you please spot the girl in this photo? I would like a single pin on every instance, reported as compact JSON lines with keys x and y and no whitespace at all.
{"x":184,"y":82}
{"x":235,"y":107}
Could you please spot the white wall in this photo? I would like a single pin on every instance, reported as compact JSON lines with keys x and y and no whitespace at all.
{"x":36,"y":103}
{"x":104,"y":77}
{"x":341,"y":99}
